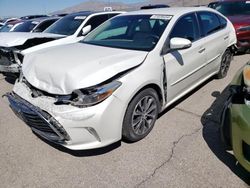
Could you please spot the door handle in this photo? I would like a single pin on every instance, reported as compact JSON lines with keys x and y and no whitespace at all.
{"x":226,"y":37}
{"x":202,"y":50}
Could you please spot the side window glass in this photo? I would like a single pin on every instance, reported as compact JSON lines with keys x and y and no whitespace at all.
{"x":210,"y":23}
{"x":44,"y":25}
{"x":112,"y":15}
{"x":97,"y":20}
{"x":187,"y":28}
{"x":223,"y":22}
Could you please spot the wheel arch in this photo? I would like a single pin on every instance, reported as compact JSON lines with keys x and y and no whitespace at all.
{"x":156,"y":88}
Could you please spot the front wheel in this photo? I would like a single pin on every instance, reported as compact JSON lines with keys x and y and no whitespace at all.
{"x":225,"y":64}
{"x":141,"y":115}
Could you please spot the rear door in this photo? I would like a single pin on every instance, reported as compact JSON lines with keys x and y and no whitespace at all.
{"x":216,"y":38}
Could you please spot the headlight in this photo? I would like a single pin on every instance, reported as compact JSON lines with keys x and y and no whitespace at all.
{"x":244,"y":28}
{"x":94,"y":95}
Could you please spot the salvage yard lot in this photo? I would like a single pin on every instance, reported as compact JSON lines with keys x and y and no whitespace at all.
{"x":183,"y":150}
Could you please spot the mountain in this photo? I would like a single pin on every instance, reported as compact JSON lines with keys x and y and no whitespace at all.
{"x":99,"y":5}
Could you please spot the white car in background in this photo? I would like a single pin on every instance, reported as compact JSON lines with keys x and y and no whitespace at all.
{"x":115,"y":82}
{"x":69,"y":29}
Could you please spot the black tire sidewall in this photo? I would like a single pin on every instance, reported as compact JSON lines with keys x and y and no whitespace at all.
{"x":127,"y":131}
{"x":220,"y":75}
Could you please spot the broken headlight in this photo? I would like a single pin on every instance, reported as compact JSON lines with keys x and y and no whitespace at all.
{"x":93,"y":95}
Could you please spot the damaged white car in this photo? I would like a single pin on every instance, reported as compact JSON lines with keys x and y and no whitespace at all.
{"x":69,"y":29}
{"x":116,"y":81}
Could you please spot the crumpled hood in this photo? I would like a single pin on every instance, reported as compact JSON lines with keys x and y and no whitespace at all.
{"x":10,"y":39}
{"x":63,"y":69}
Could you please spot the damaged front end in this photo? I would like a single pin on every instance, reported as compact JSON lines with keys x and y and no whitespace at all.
{"x":39,"y":121}
{"x":10,"y":60}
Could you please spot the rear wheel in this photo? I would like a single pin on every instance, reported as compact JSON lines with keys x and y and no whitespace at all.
{"x":225,"y":64}
{"x":141,"y":115}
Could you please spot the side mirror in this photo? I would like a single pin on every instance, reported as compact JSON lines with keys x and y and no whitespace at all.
{"x":86,"y":30}
{"x":180,"y":43}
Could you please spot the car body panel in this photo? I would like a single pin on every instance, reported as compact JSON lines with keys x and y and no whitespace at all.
{"x":96,"y":67}
{"x":19,"y":38}
{"x":66,"y":40}
{"x":240,"y":132}
{"x":239,"y":121}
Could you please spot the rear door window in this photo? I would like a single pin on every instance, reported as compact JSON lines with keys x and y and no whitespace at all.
{"x":209,"y":22}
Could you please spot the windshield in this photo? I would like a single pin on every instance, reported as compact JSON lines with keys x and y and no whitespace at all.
{"x":66,"y":26}
{"x":232,"y":8}
{"x":136,"y":32}
{"x":25,"y":26}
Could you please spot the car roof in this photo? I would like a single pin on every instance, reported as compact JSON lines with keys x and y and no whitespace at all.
{"x":15,"y":22}
{"x":88,"y":13}
{"x":42,"y":19}
{"x":173,"y":11}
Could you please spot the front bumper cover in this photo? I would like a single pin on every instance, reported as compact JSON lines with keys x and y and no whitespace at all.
{"x":39,"y":121}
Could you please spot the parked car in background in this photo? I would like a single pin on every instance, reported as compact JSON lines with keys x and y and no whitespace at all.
{"x":61,"y":14}
{"x":10,"y":26}
{"x":35,"y":25}
{"x":28,"y":17}
{"x":116,"y":81}
{"x":69,"y":29}
{"x":7,"y":20}
{"x":238,"y":12}
{"x":235,"y":120}
{"x":1,"y":25}
{"x":154,"y":6}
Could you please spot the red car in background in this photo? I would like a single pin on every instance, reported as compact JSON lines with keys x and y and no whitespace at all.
{"x":238,"y":12}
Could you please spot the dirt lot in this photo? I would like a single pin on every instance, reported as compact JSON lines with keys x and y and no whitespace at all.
{"x":183,"y":150}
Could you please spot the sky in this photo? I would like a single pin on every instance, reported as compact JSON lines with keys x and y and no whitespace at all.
{"x":25,"y":7}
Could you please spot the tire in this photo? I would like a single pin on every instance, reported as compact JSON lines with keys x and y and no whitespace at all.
{"x":141,"y":115}
{"x":225,"y":64}
{"x":225,"y":130}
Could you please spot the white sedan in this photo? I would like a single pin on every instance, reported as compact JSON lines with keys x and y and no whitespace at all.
{"x":69,"y":29}
{"x":114,"y":83}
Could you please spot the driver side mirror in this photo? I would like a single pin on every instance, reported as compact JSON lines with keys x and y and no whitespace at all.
{"x":86,"y":30}
{"x":180,"y":43}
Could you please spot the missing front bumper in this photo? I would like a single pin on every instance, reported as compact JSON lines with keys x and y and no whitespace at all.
{"x":39,"y":121}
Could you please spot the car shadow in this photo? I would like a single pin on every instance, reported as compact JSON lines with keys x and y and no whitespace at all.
{"x":82,"y":153}
{"x":211,"y":134}
{"x":185,"y":97}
